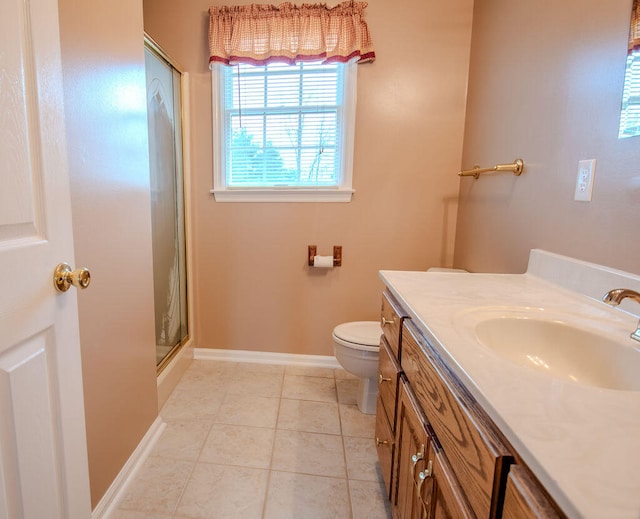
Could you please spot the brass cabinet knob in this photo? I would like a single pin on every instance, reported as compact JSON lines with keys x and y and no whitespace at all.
{"x":384,"y":321}
{"x":381,"y":442}
{"x":427,"y":473}
{"x":64,"y":277}
{"x":382,"y":379}
{"x":417,"y":457}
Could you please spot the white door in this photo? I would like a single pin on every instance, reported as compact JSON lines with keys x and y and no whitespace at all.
{"x":43,"y":459}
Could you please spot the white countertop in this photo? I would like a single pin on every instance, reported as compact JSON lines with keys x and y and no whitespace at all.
{"x":582,"y":442}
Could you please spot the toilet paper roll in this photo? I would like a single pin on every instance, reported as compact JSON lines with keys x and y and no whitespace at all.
{"x":323,"y":261}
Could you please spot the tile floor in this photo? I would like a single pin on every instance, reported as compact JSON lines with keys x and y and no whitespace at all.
{"x":260,"y":441}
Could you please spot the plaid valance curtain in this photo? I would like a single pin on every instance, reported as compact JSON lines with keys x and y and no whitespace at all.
{"x":258,"y":34}
{"x":634,"y":32}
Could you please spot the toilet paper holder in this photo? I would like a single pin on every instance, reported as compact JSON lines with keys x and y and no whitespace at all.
{"x":337,"y":255}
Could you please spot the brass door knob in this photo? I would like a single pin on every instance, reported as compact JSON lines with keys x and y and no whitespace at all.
{"x":64,"y":277}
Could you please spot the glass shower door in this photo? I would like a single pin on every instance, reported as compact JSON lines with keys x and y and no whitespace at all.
{"x":167,"y":203}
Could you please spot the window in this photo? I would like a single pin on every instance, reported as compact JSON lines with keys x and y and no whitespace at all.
{"x":284,"y":96}
{"x":283,"y":132}
{"x":630,"y":113}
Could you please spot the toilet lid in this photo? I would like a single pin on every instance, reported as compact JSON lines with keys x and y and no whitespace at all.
{"x":359,"y":332}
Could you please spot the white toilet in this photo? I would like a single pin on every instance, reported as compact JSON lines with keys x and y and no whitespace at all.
{"x":357,"y":346}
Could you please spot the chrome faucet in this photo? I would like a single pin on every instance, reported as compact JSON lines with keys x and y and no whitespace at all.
{"x":615,"y":297}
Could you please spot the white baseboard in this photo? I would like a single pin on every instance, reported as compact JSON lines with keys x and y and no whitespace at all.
{"x":109,"y":501}
{"x":263,"y":357}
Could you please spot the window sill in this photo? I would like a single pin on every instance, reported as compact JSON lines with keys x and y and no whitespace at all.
{"x":282,"y":195}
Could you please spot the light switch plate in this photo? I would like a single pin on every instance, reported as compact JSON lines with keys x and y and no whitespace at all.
{"x":584,"y":182}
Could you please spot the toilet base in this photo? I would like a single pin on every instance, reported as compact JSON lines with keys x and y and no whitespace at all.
{"x":367,"y":395}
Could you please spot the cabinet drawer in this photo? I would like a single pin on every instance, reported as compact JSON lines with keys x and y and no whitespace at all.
{"x":388,"y":372}
{"x":476,"y":454}
{"x":391,"y":322}
{"x":524,"y":499}
{"x":384,"y":445}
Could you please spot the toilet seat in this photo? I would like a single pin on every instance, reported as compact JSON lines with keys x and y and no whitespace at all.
{"x":359,"y":335}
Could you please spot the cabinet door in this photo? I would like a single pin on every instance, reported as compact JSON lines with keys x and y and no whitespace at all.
{"x":426,"y":486}
{"x":412,"y":442}
{"x":385,"y":446}
{"x":524,"y":499}
{"x":388,"y":371}
{"x":448,"y":499}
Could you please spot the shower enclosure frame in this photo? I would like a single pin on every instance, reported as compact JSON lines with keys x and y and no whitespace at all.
{"x":182,"y":113}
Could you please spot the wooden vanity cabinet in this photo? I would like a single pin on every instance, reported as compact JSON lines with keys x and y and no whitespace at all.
{"x":446,"y":459}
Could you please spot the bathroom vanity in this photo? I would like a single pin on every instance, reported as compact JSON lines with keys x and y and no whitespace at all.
{"x":474,"y":421}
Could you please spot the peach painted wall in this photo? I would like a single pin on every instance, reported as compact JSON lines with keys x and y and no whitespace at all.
{"x":105,"y":105}
{"x":545,"y":84}
{"x":253,"y":289}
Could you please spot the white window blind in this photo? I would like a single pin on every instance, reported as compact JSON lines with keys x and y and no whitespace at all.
{"x":630,"y":113}
{"x":283,"y":124}
{"x":282,"y":127}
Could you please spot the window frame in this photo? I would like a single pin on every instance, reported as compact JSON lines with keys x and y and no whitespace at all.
{"x":341,"y":193}
{"x":629,"y":101}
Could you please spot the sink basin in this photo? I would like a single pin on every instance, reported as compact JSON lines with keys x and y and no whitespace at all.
{"x":563,"y":351}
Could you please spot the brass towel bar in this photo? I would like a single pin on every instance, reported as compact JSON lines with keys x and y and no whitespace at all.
{"x":516,"y":168}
